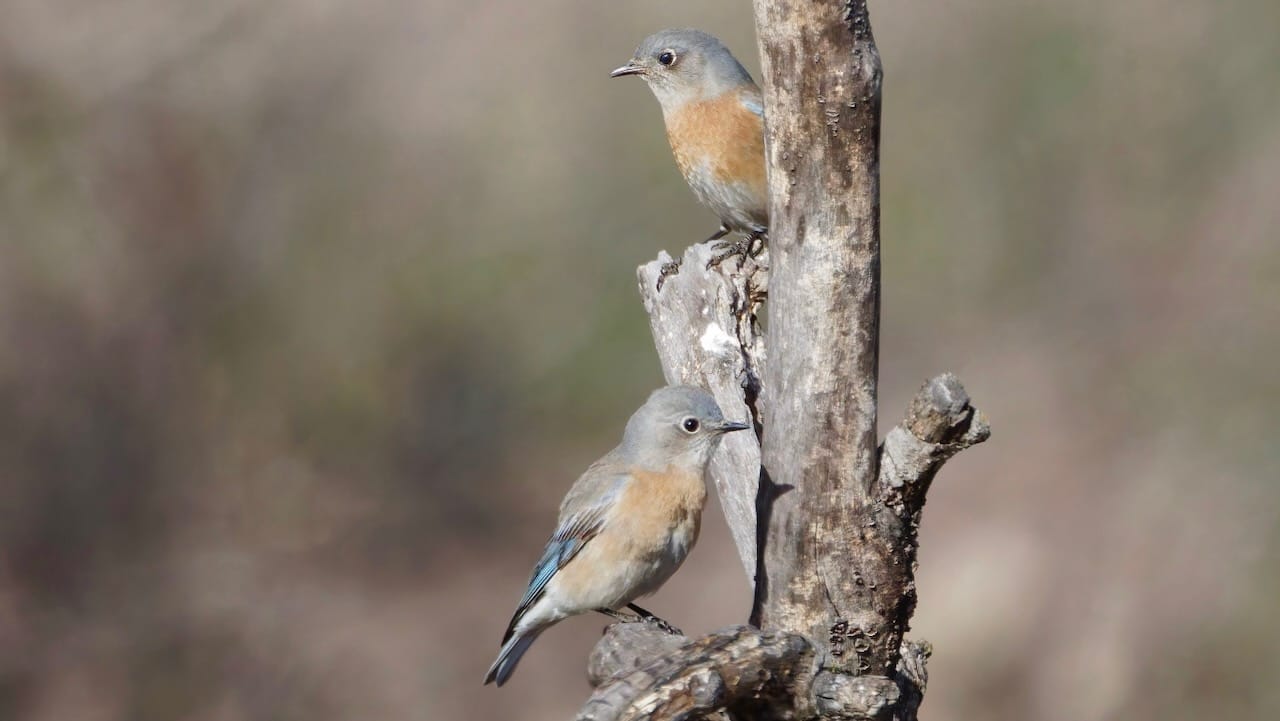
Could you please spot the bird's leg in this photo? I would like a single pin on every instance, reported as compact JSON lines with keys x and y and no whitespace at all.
{"x":668,"y":268}
{"x":722,"y":232}
{"x":648,"y":617}
{"x":640,"y":616}
{"x":620,"y":616}
{"x":751,"y":245}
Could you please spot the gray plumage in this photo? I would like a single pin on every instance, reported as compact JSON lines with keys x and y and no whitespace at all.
{"x":705,"y":69}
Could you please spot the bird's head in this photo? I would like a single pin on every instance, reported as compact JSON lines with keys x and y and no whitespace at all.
{"x":685,"y":65}
{"x":678,"y":424}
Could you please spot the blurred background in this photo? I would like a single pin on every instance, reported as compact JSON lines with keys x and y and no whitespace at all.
{"x":310,"y":311}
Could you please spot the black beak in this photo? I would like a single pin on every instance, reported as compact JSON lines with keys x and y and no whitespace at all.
{"x":628,"y":69}
{"x":730,"y":426}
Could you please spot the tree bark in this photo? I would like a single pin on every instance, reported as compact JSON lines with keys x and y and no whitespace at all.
{"x":820,"y":570}
{"x":824,"y":520}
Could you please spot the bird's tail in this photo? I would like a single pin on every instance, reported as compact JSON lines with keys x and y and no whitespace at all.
{"x":509,"y":656}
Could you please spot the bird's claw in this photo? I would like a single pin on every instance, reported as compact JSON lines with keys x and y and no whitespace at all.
{"x":648,"y":618}
{"x":662,"y":625}
{"x":739,"y":248}
{"x":668,"y":268}
{"x":640,"y":615}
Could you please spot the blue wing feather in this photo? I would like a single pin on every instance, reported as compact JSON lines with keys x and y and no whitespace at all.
{"x":568,"y":540}
{"x":557,"y":553}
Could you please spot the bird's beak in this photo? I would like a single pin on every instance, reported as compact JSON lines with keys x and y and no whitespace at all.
{"x":628,"y":69}
{"x":730,"y":426}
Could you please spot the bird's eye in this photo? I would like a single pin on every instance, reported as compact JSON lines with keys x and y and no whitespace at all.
{"x":667,"y":57}
{"x":690,"y":425}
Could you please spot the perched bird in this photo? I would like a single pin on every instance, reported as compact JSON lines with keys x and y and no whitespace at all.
{"x":627,"y":524}
{"x":714,"y":115}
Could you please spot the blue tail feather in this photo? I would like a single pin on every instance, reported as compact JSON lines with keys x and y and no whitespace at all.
{"x":509,"y":656}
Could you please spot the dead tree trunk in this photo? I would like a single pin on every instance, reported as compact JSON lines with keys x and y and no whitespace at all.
{"x":822,"y":98}
{"x":825,"y":521}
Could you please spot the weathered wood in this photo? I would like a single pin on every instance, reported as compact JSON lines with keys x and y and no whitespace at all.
{"x":707,"y":334}
{"x":625,"y":647}
{"x":739,"y":670}
{"x":940,"y":423}
{"x":839,"y":695}
{"x":825,"y":572}
{"x":912,"y":679}
{"x":641,"y":672}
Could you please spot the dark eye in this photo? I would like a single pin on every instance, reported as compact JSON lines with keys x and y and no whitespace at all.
{"x":666,"y":58}
{"x":690,"y":425}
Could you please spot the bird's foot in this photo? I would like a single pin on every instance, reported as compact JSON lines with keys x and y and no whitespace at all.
{"x":662,"y":626}
{"x":622,"y":617}
{"x":668,"y":268}
{"x":725,"y":249}
{"x":721,"y":232}
{"x":640,"y":616}
{"x":649,"y":618}
{"x":750,"y":246}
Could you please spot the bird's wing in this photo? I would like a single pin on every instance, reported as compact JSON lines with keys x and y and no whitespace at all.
{"x":580,"y":521}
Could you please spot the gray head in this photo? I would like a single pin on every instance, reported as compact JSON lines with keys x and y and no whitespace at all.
{"x":685,"y":65}
{"x":678,"y":424}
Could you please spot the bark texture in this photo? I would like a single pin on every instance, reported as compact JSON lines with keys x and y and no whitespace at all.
{"x":826,"y":571}
{"x":740,"y":672}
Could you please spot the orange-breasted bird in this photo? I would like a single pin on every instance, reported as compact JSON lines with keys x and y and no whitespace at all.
{"x":627,"y":523}
{"x":714,"y":115}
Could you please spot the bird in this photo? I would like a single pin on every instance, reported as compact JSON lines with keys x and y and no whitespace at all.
{"x":714,"y":115}
{"x":626,"y":524}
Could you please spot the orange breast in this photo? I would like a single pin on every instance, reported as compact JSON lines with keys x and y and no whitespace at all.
{"x":658,"y":503}
{"x":721,"y":136}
